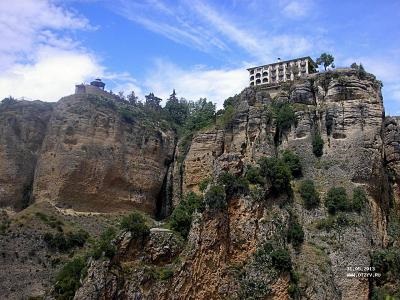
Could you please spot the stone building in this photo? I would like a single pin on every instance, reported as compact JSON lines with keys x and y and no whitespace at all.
{"x":282,"y":71}
{"x":95,"y":87}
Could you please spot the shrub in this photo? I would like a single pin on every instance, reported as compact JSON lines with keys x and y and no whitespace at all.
{"x":68,"y":279}
{"x":284,"y":115}
{"x":233,"y":184}
{"x":387,"y":262}
{"x":181,"y":218}
{"x":64,"y":242}
{"x":295,"y":234}
{"x":278,"y":173}
{"x":165,"y":273}
{"x":215,"y":197}
{"x":281,"y":260}
{"x":203,"y":184}
{"x":359,"y":199}
{"x":135,"y":223}
{"x":105,"y":245}
{"x":336,"y":200}
{"x":309,"y":194}
{"x":317,"y":145}
{"x":253,"y":175}
{"x":292,"y":160}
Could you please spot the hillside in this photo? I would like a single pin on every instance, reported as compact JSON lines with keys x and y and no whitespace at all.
{"x":280,"y":196}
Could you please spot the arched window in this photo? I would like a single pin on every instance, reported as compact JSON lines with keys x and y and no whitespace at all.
{"x":258,"y":81}
{"x":258,"y":75}
{"x":252,"y":78}
{"x":252,"y":83}
{"x":265,"y":73}
{"x":265,"y":80}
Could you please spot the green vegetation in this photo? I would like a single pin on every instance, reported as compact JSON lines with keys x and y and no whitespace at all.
{"x":281,"y":260}
{"x":165,"y":273}
{"x":359,"y":199}
{"x":295,"y":234}
{"x":317,"y":145}
{"x":285,"y":117}
{"x":136,"y":224}
{"x":387,"y":262}
{"x":338,"y":223}
{"x":336,"y":200}
{"x":277,"y":173}
{"x":309,"y":194}
{"x":253,"y":175}
{"x":292,"y":160}
{"x":64,"y":242}
{"x":326,"y":60}
{"x":215,"y":198}
{"x":68,"y":279}
{"x":233,"y":184}
{"x":178,"y":110}
{"x":181,"y":218}
{"x":203,"y":184}
{"x":104,"y":245}
{"x":50,"y":221}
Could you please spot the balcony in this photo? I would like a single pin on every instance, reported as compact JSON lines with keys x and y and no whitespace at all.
{"x":251,"y":78}
{"x":251,"y":72}
{"x":258,"y":81}
{"x":265,"y":80}
{"x":265,"y":74}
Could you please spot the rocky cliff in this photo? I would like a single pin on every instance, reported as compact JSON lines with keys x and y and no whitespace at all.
{"x":98,"y":155}
{"x":228,"y":252}
{"x":23,"y":126}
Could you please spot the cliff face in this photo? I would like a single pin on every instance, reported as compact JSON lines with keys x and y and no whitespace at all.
{"x":92,"y":159}
{"x":22,"y":130}
{"x":223,"y":257}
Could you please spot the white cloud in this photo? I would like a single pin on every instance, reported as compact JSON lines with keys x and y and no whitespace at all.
{"x":38,"y":59}
{"x":214,"y":84}
{"x":296,"y":9}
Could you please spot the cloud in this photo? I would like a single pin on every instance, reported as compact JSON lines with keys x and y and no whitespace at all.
{"x":39,"y":59}
{"x":214,"y":84}
{"x":208,"y":28}
{"x":296,"y":9}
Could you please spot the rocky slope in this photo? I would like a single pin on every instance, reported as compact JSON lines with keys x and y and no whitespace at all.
{"x":225,"y":256}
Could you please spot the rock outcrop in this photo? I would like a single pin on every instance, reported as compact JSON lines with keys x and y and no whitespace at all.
{"x":23,"y":126}
{"x":95,"y":159}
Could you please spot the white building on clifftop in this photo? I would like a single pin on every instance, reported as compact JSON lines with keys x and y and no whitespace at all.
{"x":282,"y":71}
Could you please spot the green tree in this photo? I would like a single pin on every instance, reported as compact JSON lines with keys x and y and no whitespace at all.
{"x":292,"y":160}
{"x":105,"y":244}
{"x":359,"y":199}
{"x":178,"y":110}
{"x":309,"y":194}
{"x":281,"y":260}
{"x":181,"y":218}
{"x":152,"y":102}
{"x":136,"y":224}
{"x":215,"y":197}
{"x":233,"y":184}
{"x":253,"y":175}
{"x":295,"y":234}
{"x":326,"y":60}
{"x":278,"y":174}
{"x":201,"y":114}
{"x":132,"y":98}
{"x":68,"y":279}
{"x":336,"y":200}
{"x":318,"y":145}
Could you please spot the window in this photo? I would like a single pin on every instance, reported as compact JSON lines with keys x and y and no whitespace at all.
{"x":265,"y":73}
{"x":265,"y":80}
{"x":258,"y":81}
{"x":258,"y":75}
{"x":251,"y":72}
{"x":251,"y":77}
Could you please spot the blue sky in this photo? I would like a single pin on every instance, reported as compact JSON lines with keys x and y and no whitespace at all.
{"x":199,"y":47}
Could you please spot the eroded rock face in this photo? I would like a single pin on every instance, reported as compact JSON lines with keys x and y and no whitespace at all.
{"x":94,"y":160}
{"x":22,"y":130}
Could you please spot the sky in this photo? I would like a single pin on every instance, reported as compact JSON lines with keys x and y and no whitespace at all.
{"x":200,"y":48}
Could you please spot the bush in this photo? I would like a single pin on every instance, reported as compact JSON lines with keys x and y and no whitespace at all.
{"x":253,"y":175}
{"x":135,"y":223}
{"x":309,"y":194}
{"x":233,"y":184}
{"x":203,"y":184}
{"x":292,"y":160}
{"x":281,"y":260}
{"x":387,"y":262}
{"x":318,"y":145}
{"x":64,"y":242}
{"x":181,"y":218}
{"x":284,"y":115}
{"x":215,"y":197}
{"x":68,"y":279}
{"x":278,"y":173}
{"x":295,"y":234}
{"x":105,"y":245}
{"x":359,"y":199}
{"x":336,"y":200}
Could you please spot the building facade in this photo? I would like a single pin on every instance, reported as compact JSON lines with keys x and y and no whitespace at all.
{"x":281,"y":71}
